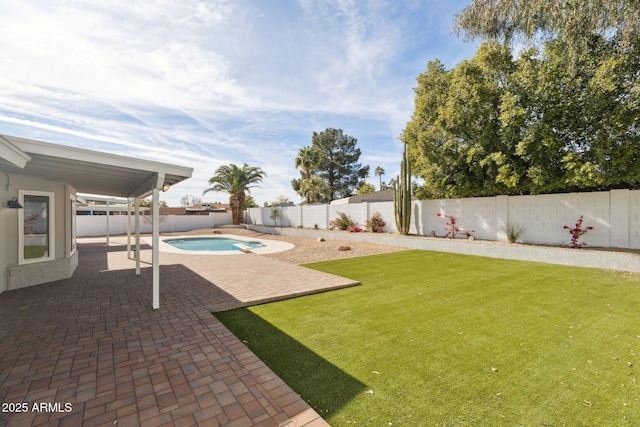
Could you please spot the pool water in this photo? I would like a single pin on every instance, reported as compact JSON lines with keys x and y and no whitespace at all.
{"x":211,"y":244}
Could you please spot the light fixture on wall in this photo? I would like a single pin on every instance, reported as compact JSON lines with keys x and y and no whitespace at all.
{"x":14,"y":203}
{"x":165,"y":188}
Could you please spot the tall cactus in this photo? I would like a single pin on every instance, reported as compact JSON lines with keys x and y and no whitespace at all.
{"x":402,"y":194}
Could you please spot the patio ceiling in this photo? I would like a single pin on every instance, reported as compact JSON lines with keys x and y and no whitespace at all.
{"x":88,"y":171}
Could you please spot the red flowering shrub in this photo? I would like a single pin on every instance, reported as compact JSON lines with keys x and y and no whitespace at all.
{"x":451,"y":228}
{"x":354,"y":229}
{"x":343,"y":222}
{"x":576,"y":232}
{"x":376,"y":223}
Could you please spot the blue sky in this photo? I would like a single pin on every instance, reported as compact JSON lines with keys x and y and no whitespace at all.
{"x":212,"y":82}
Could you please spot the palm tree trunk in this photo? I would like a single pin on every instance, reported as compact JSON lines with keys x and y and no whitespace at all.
{"x":237,"y":201}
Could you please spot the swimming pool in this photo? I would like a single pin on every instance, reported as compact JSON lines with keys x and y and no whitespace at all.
{"x":220,"y":244}
{"x":213,"y":244}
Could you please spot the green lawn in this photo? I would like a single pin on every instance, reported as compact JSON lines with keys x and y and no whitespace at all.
{"x":435,"y":339}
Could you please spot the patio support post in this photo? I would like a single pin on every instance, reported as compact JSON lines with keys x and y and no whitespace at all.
{"x":108,"y":216}
{"x":137,"y":236}
{"x":155,"y":249}
{"x":128,"y":228}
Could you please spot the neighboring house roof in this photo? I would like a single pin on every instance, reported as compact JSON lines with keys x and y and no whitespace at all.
{"x":209,"y":207}
{"x":88,"y":171}
{"x":172,"y":211}
{"x":378,"y":196}
{"x":90,"y":203}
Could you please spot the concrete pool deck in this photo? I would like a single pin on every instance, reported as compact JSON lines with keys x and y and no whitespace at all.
{"x":94,"y":342}
{"x":270,"y":246}
{"x":246,"y":278}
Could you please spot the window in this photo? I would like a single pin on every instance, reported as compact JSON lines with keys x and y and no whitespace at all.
{"x":36,"y":226}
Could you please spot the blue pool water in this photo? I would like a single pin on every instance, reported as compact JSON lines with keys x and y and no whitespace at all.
{"x":210,"y":244}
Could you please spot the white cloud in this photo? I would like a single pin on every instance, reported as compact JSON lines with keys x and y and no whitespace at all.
{"x":210,"y":82}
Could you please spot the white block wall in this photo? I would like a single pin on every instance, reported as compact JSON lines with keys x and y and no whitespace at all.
{"x":546,"y":215}
{"x":315,"y":215}
{"x":615,"y":216}
{"x":634,"y":219}
{"x":96,"y":225}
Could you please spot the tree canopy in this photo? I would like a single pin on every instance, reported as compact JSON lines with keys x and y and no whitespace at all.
{"x":496,"y":125}
{"x":236,"y":181}
{"x":332,"y":157}
{"x":366,"y":188}
{"x":576,"y":22}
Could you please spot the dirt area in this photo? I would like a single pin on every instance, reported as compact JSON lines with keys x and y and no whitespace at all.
{"x":310,"y":250}
{"x":307,"y":250}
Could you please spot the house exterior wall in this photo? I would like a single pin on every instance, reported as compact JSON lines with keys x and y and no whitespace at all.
{"x":14,"y":275}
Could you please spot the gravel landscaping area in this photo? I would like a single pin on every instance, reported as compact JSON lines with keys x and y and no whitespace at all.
{"x":307,"y":250}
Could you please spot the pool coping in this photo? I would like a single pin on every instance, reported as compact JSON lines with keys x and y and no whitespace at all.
{"x":271,"y":246}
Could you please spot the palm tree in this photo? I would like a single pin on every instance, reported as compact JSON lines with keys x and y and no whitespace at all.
{"x":308,"y":158}
{"x":379,"y":172}
{"x":249,"y":202}
{"x":314,"y":189}
{"x":235,"y":181}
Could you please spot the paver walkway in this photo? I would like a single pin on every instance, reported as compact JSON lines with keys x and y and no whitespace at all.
{"x":91,"y":351}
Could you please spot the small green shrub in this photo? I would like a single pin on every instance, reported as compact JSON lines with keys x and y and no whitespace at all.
{"x":342,"y":222}
{"x":514,"y":231}
{"x":275,"y":214}
{"x":315,"y":227}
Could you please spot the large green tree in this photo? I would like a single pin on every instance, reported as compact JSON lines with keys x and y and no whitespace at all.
{"x":578,"y":127}
{"x":495,"y":125}
{"x":454,"y":137}
{"x":575,"y":21}
{"x":236,"y":181}
{"x":338,"y":165}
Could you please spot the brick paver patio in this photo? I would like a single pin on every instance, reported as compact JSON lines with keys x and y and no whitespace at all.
{"x":91,"y":351}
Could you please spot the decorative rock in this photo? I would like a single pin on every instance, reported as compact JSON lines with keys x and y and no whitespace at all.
{"x":320,"y":239}
{"x":344,"y":248}
{"x":217,"y":232}
{"x":471,"y":238}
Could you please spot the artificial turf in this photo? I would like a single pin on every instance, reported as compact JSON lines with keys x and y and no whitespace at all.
{"x":435,"y":339}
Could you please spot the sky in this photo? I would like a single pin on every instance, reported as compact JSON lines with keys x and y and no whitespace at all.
{"x":205,"y":83}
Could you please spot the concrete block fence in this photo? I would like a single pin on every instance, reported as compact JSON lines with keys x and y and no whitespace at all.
{"x":96,"y":225}
{"x":615,"y":216}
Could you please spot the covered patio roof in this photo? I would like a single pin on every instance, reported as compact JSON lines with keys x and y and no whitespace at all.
{"x":88,"y":171}
{"x":96,"y":173}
